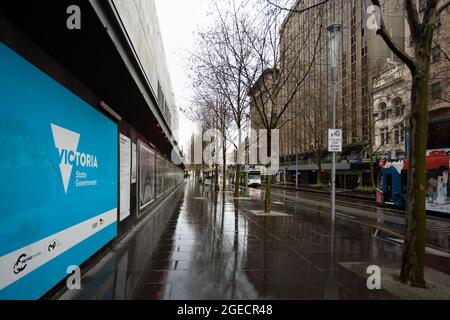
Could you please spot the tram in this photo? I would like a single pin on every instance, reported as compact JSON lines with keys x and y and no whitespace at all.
{"x":392,"y":184}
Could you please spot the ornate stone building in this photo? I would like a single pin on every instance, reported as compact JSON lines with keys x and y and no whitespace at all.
{"x":439,"y":100}
{"x":390,"y":110}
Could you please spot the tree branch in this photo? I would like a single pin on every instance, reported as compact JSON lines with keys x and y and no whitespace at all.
{"x":412,"y":16}
{"x":442,"y":7}
{"x":293,"y":10}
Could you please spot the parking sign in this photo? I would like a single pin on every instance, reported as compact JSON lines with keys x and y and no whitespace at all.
{"x":334,"y":140}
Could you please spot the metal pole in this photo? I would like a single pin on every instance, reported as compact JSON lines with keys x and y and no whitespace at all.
{"x":296,"y":167}
{"x":333,"y":168}
{"x":333,"y":32}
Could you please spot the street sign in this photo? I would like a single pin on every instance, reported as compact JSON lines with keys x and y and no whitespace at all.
{"x":334,"y":140}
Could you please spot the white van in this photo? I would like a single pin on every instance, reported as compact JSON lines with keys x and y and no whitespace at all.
{"x":254,"y":178}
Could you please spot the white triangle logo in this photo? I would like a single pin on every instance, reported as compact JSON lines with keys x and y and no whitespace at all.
{"x":65,"y":141}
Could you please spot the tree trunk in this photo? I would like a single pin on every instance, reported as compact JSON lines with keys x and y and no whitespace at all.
{"x":268,"y":172}
{"x":319,"y":171}
{"x":237,"y":180}
{"x":372,"y":171}
{"x":216,"y":180}
{"x":370,"y":155}
{"x":371,"y":139}
{"x":238,"y":166}
{"x":224,"y":155}
{"x":268,"y":190}
{"x":415,"y":236}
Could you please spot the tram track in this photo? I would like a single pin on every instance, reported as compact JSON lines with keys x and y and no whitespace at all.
{"x":360,"y":203}
{"x":393,"y":225}
{"x":365,"y":213}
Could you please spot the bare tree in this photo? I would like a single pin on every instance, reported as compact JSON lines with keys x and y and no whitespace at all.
{"x":221,"y":60}
{"x":208,"y":104}
{"x":274,"y":93}
{"x":422,"y":26}
{"x":316,"y":109}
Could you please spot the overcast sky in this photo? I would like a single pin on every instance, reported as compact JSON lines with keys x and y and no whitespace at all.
{"x":178,"y":20}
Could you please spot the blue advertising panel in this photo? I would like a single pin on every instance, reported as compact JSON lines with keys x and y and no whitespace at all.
{"x":58,"y":168}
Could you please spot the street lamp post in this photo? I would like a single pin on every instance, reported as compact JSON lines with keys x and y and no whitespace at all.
{"x":296,"y":166}
{"x":333,"y":31}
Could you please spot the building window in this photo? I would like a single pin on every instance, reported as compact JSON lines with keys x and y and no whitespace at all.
{"x":364,"y":51}
{"x":389,"y":114}
{"x":436,"y":54}
{"x":385,"y":137}
{"x":382,"y":108}
{"x":399,"y":108}
{"x":436,"y":90}
{"x":397,"y":135}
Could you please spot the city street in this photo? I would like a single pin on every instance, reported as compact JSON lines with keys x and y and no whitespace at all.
{"x":214,"y":248}
{"x":366,"y":212}
{"x":225,"y":150}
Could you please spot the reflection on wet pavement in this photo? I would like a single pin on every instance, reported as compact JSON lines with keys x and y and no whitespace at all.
{"x":438,"y":229}
{"x":217,"y":249}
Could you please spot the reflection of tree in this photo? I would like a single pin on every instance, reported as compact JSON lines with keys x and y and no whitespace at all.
{"x":146,"y":246}
{"x":208,"y":227}
{"x":219,"y":255}
{"x":159,"y":175}
{"x":146,"y":175}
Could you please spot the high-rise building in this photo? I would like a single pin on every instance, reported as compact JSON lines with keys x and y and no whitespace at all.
{"x":362,"y":54}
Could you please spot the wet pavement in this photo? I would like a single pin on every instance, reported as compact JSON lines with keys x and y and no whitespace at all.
{"x":213,"y":247}
{"x":367,"y":212}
